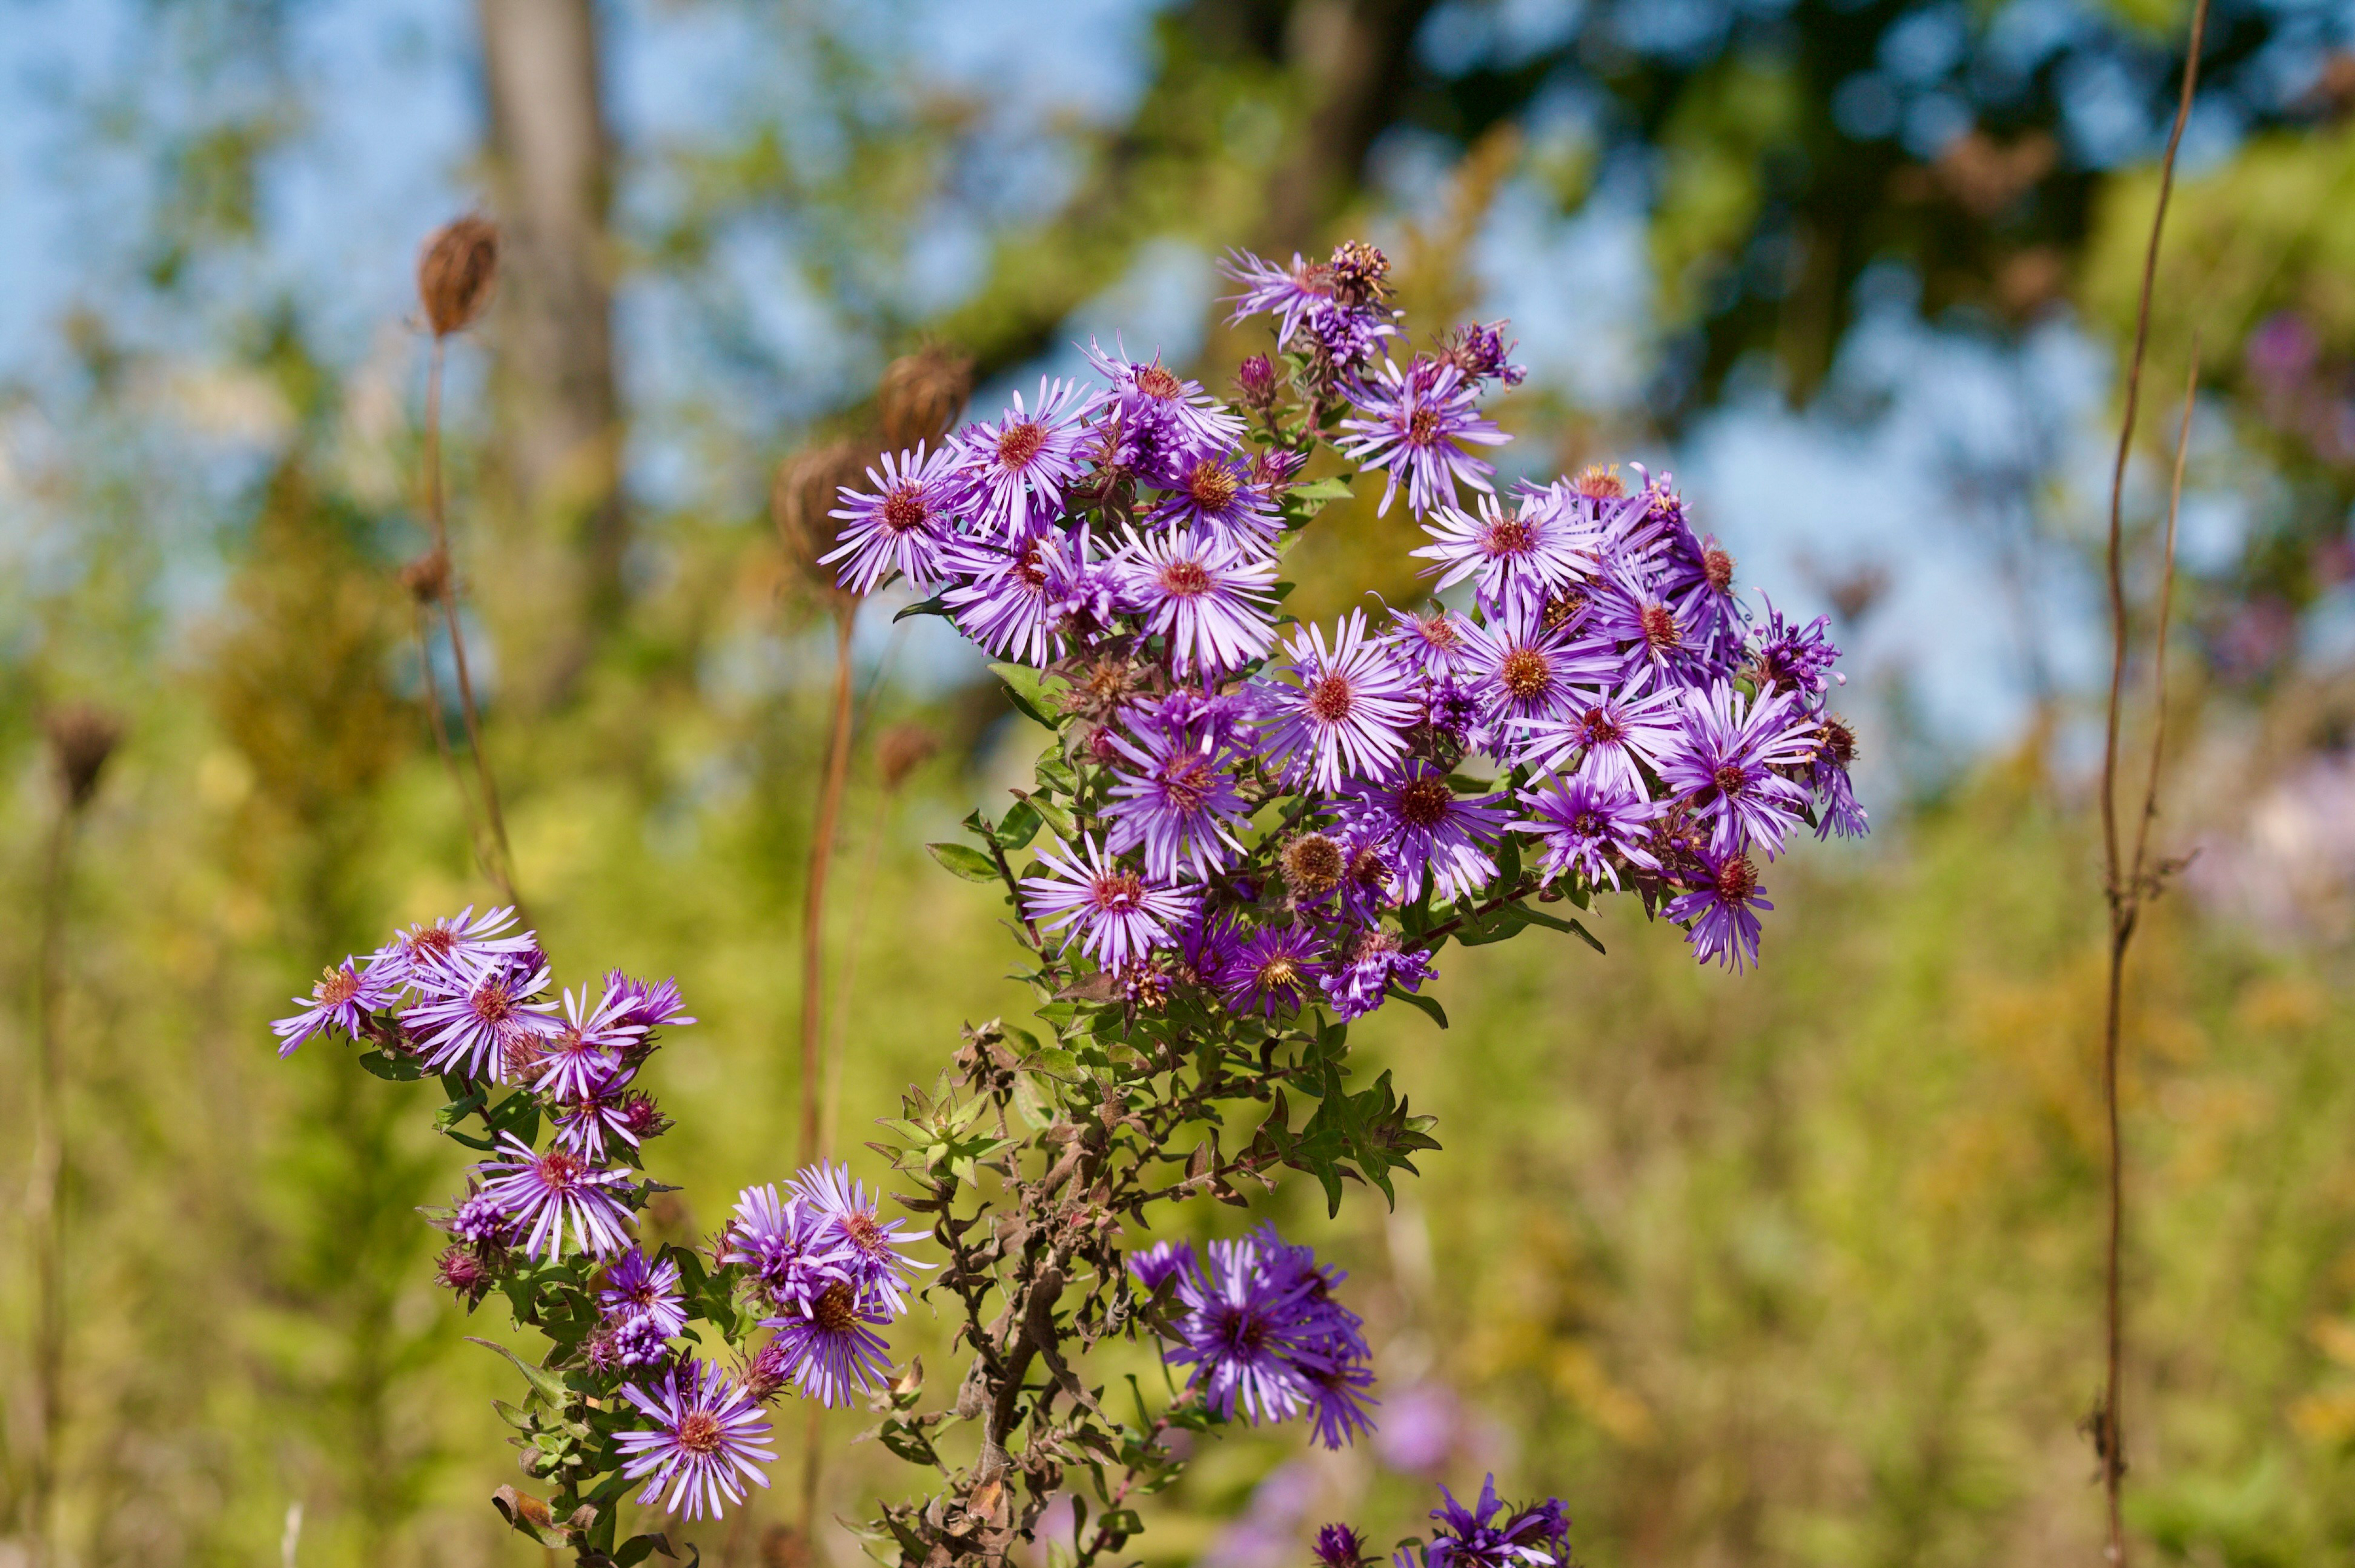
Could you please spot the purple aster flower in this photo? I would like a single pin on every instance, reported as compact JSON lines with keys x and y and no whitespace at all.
{"x":870,"y":1246}
{"x":1516,"y":558}
{"x":1609,"y":732}
{"x":1696,"y":577}
{"x":1524,"y":671}
{"x":1476,"y":1537}
{"x":1796,"y":659}
{"x":796,"y":1255}
{"x":1020,"y":464}
{"x":1205,"y":597}
{"x":1338,"y":309}
{"x":1338,"y":1401}
{"x":1117,"y":914}
{"x":480,"y":1221}
{"x":647,"y":1007}
{"x":1429,"y":643}
{"x":1357,"y":984}
{"x":1721,"y":908}
{"x":1435,"y":833}
{"x":1340,"y":1546}
{"x":547,"y":1193}
{"x":1724,"y":767}
{"x":831,"y":1348}
{"x":1192,"y":716}
{"x":490,"y":1016}
{"x":430,"y":957}
{"x":1272,"y":969}
{"x":1216,"y":493}
{"x":1372,"y":874}
{"x":1482,"y":354}
{"x":904,"y":525}
{"x":1018,"y":598}
{"x":343,"y":998}
{"x":704,"y":1435}
{"x":1630,"y":609}
{"x":1420,"y":426}
{"x":638,"y":1286}
{"x":1176,"y":800}
{"x":1584,"y":823}
{"x":1349,"y":712}
{"x":609,"y":1108}
{"x":1834,"y":749}
{"x":1151,"y":394}
{"x":586,"y":1049}
{"x":1161,"y":1262}
{"x":1242,"y":1328}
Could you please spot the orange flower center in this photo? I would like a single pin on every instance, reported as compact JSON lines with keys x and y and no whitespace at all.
{"x":1330,"y":699}
{"x":1212,"y":486}
{"x":1185,"y":578}
{"x":1020,"y":443}
{"x":1526,"y":675}
{"x":904,"y":509}
{"x":1425,"y":803}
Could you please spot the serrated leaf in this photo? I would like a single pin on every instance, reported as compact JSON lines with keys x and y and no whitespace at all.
{"x":959,"y":860}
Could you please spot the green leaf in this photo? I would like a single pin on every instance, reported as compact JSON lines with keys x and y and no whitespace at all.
{"x":971,"y":864}
{"x":544,"y":1383}
{"x":1428,"y":1006}
{"x":396,"y":1069}
{"x":1018,"y":827}
{"x":936,"y":605}
{"x":1026,"y":689}
{"x":1332,"y":488}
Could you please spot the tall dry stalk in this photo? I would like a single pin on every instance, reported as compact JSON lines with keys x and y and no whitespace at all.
{"x":2127,"y":883}
{"x":80,"y":740}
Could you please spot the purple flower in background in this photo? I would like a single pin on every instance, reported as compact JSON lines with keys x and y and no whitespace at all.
{"x":1418,"y":425}
{"x":1177,"y":801}
{"x":704,"y":1435}
{"x":1152,"y":395}
{"x":1272,"y":970}
{"x":1208,"y":599}
{"x":1420,"y":1426}
{"x":794,"y":1251}
{"x":1516,"y":558}
{"x":1429,"y":643}
{"x":1525,"y":673}
{"x":1116,"y":914}
{"x":1020,"y":464}
{"x":831,"y":1348}
{"x":491,"y":1011}
{"x":1260,"y":1324}
{"x":430,"y":958}
{"x":635,"y":1286}
{"x":904,"y":525}
{"x":1161,"y":1262}
{"x":1725,"y":765}
{"x":1349,"y":713}
{"x":1476,"y":1537}
{"x":344,"y":995}
{"x":1337,"y":1404}
{"x":1216,"y":493}
{"x":544,"y":1193}
{"x":586,"y":1048}
{"x":1359,"y":983}
{"x":1721,"y":909}
{"x":1340,"y":1546}
{"x":1584,"y":822}
{"x":872,"y":1246}
{"x":1609,"y":732}
{"x":1435,"y":833}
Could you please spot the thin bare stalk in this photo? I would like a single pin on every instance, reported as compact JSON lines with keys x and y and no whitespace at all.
{"x":2123,"y":886}
{"x":837,"y":1046}
{"x":434,"y":721}
{"x":43,"y":1213}
{"x":503,"y":870}
{"x":2140,"y":871}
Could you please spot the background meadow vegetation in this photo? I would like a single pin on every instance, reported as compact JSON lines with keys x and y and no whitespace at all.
{"x":1798,"y":1267}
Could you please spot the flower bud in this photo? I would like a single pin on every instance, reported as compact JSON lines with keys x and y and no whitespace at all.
{"x":455,"y":273}
{"x":1255,"y":381}
{"x":81,"y":737}
{"x":921,"y":394}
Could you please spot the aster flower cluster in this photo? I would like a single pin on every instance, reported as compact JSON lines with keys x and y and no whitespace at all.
{"x":624,"y":1397}
{"x":1487,"y":1534}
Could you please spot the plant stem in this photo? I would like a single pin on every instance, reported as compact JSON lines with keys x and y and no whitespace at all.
{"x":2124,"y":885}
{"x":502,"y":870}
{"x":44,"y":1210}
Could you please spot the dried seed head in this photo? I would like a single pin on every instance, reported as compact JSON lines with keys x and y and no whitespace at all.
{"x":804,"y":491}
{"x":903,"y":748}
{"x":455,"y":273}
{"x":81,"y":737}
{"x":427,"y":577}
{"x":922,"y":394}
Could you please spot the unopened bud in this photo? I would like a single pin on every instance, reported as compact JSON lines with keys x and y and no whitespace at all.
{"x":921,"y":394}
{"x":1255,"y":381}
{"x":81,"y":737}
{"x":805,"y":491}
{"x":903,"y":748}
{"x":455,"y":273}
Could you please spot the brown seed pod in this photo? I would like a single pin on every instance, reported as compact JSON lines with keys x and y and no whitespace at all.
{"x":804,"y":492}
{"x":454,"y":274}
{"x":427,"y":577}
{"x":921,"y":394}
{"x":81,"y":737}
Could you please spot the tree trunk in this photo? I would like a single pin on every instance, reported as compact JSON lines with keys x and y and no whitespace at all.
{"x":1357,"y":55}
{"x":556,"y":465}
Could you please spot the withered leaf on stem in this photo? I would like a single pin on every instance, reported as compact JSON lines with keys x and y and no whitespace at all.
{"x":456,"y":271}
